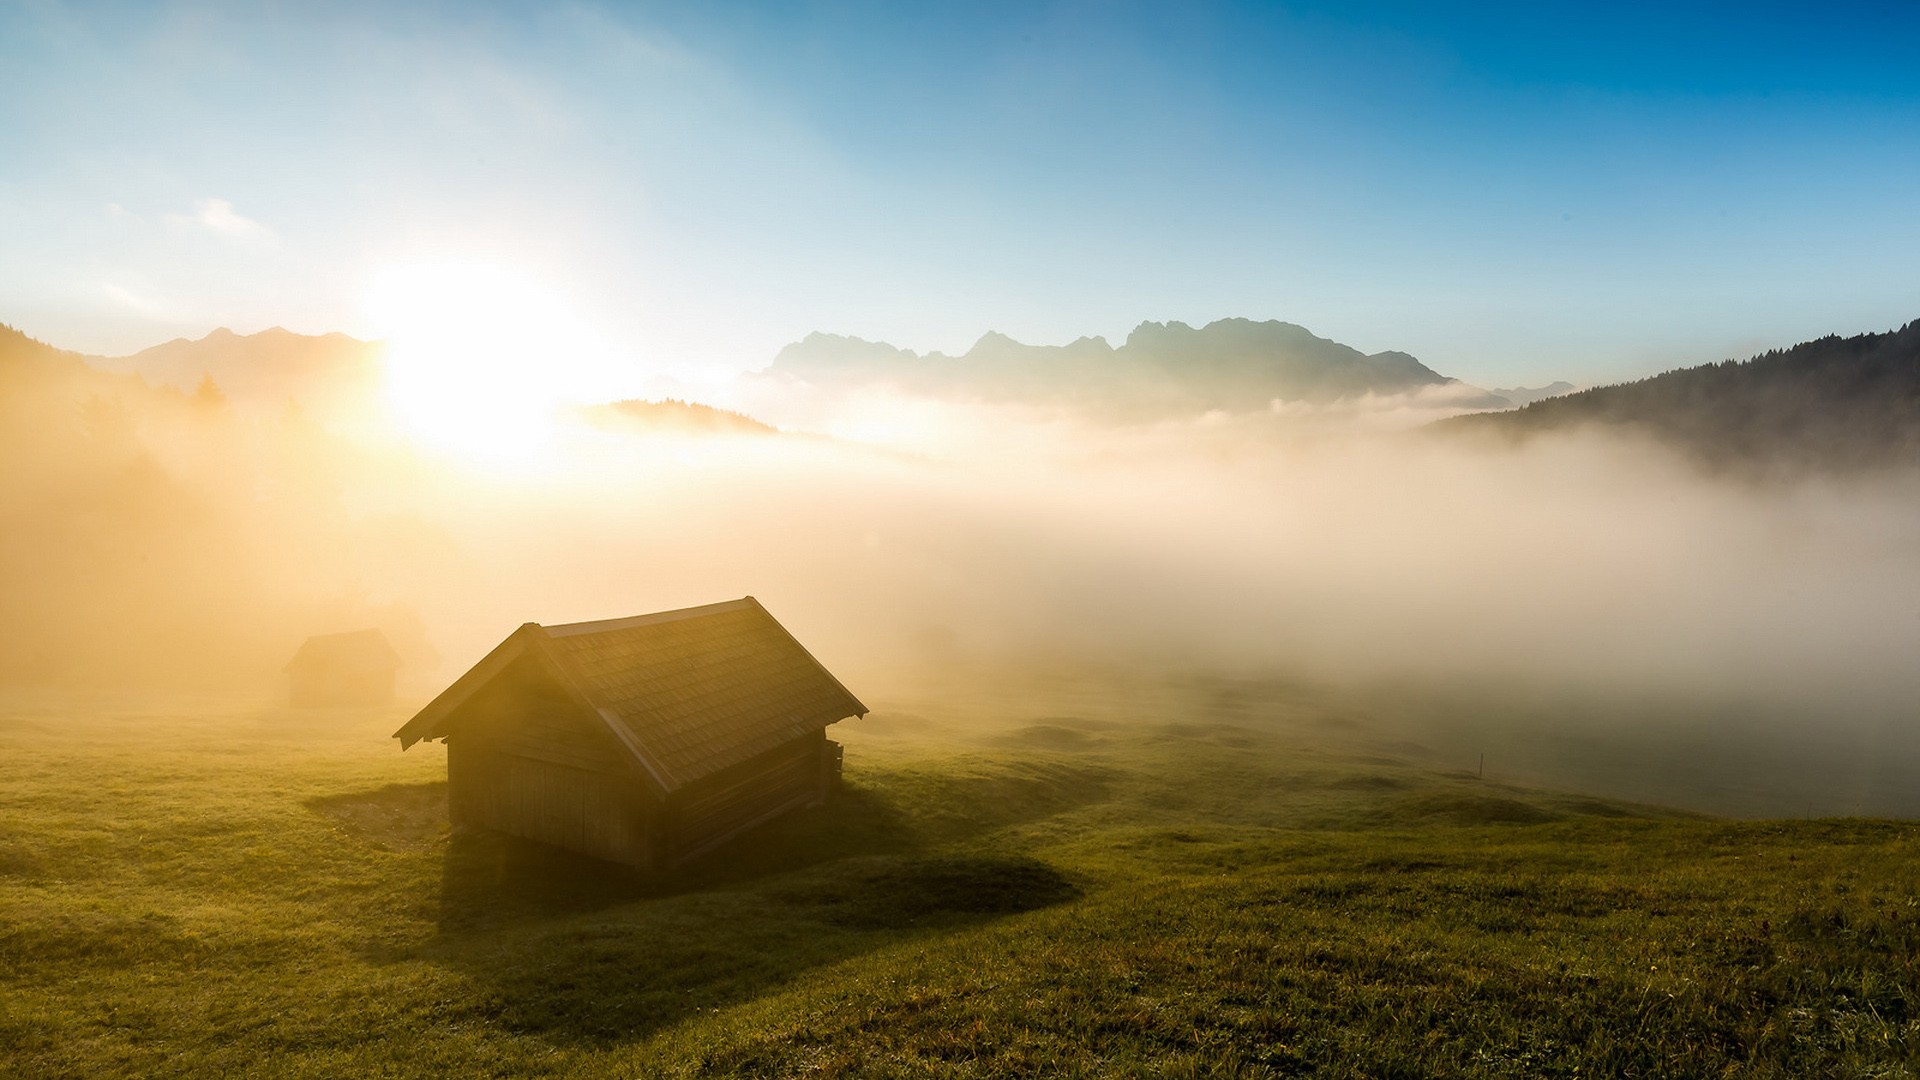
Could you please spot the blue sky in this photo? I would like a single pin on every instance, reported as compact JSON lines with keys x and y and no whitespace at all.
{"x":1513,"y":193}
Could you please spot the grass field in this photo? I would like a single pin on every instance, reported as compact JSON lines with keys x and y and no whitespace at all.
{"x":1111,"y":884}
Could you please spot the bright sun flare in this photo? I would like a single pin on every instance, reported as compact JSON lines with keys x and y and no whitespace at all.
{"x":481,"y":358}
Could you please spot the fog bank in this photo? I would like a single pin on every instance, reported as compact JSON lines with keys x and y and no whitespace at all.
{"x":162,"y":538}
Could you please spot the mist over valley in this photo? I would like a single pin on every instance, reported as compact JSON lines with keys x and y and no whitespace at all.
{"x":1283,"y":511}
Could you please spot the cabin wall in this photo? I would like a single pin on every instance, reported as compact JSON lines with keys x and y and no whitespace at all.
{"x":601,"y":814}
{"x":709,"y":812}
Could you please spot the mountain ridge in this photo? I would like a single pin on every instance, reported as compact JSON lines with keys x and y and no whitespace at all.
{"x":1235,"y":365}
{"x":327,"y":374}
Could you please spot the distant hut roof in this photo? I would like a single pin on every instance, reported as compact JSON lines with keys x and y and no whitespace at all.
{"x":353,"y":651}
{"x":687,"y":692}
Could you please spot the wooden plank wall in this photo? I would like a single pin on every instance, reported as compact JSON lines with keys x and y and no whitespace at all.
{"x":709,"y":813}
{"x":594,"y":813}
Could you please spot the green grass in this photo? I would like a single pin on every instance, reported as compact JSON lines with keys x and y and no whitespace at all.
{"x":1116,"y":884}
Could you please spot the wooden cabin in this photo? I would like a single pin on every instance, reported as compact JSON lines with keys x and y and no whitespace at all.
{"x":355,"y":668}
{"x":649,"y":740}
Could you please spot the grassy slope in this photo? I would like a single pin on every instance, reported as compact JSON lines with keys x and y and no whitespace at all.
{"x":221,"y":890}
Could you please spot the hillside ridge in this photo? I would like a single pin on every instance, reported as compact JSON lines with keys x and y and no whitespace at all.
{"x":1831,"y":404}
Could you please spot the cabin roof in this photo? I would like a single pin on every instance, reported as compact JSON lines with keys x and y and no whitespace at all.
{"x":353,"y":651}
{"x":687,"y":692}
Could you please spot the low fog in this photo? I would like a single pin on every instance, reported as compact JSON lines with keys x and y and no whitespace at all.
{"x":1462,"y":596}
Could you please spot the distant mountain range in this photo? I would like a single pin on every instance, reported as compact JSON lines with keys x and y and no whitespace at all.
{"x":1836,"y":404}
{"x":1523,"y":395}
{"x":1162,"y":369}
{"x":326,"y":375}
{"x":333,"y":376}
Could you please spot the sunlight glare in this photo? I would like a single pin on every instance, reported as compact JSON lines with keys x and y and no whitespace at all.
{"x":481,"y":359}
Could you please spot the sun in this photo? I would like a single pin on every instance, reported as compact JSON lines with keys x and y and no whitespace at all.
{"x":481,"y":358}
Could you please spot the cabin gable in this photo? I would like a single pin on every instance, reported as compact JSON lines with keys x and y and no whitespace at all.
{"x":525,"y":756}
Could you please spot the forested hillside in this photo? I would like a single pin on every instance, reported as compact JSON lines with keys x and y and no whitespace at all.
{"x":1836,"y":404}
{"x":150,"y":536}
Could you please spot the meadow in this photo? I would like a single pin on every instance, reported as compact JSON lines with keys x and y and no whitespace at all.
{"x":1071,"y":880}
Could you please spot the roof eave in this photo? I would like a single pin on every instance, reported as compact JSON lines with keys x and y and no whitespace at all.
{"x":426,"y":723}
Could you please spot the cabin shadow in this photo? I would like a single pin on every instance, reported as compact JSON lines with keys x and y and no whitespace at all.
{"x":624,"y":973}
{"x":492,"y":879}
{"x":395,"y":817}
{"x":581,"y":952}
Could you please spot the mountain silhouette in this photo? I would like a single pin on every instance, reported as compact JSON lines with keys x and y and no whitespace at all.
{"x":327,"y":374}
{"x":1527,"y":395}
{"x":1161,"y":370}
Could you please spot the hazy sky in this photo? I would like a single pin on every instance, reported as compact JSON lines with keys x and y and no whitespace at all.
{"x":1513,"y":193}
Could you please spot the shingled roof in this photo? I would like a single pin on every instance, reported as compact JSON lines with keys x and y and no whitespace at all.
{"x":687,"y":692}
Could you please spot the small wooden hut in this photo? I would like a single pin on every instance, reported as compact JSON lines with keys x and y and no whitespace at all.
{"x":649,"y":740}
{"x":354,"y":668}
